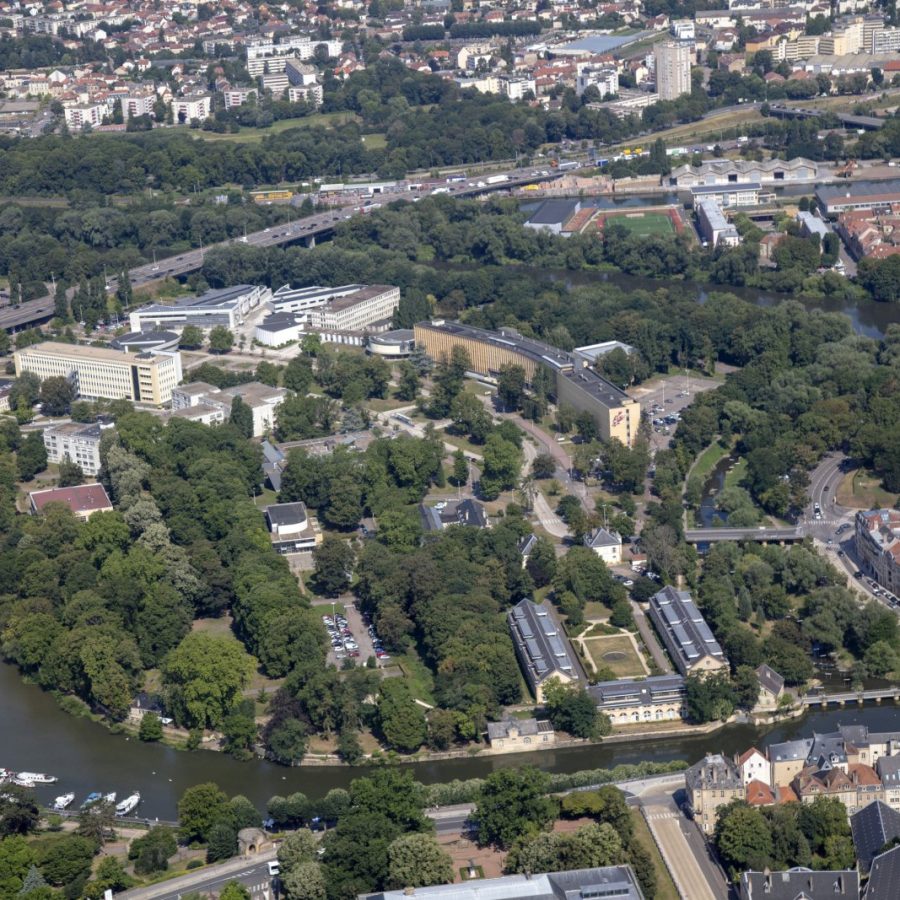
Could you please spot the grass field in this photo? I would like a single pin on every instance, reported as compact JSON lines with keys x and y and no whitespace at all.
{"x":862,"y":490}
{"x":255,"y":135}
{"x":625,"y":662}
{"x":647,"y":224}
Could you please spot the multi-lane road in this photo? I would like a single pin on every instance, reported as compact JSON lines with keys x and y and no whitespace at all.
{"x":34,"y":312}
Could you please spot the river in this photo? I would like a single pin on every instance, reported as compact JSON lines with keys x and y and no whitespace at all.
{"x":36,"y":735}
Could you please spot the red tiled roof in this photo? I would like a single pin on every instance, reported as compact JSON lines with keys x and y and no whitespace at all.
{"x":82,"y":498}
{"x":759,"y":794}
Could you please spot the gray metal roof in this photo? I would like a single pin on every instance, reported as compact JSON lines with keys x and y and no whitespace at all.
{"x":873,"y":826}
{"x":542,"y":649}
{"x":683,"y":628}
{"x":800,"y":883}
{"x":884,"y":876}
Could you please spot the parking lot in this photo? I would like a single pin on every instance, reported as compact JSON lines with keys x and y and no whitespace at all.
{"x":666,"y":398}
{"x":351,"y":636}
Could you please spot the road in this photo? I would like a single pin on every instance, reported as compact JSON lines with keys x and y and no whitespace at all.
{"x":34,"y":312}
{"x":712,"y":535}
{"x":254,"y":874}
{"x":684,"y":851}
{"x":648,"y":636}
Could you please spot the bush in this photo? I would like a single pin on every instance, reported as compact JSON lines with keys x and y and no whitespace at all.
{"x":194,"y":864}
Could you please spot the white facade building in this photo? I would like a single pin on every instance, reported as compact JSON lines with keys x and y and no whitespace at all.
{"x":604,"y":78}
{"x":85,"y":114}
{"x":78,"y":442}
{"x":198,"y":106}
{"x":672,"y":61}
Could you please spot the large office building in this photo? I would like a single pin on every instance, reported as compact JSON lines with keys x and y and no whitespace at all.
{"x":878,"y":546}
{"x":659,"y":698}
{"x":541,"y":646}
{"x":227,"y":307}
{"x":617,"y":882}
{"x":366,"y":307}
{"x":714,"y":228}
{"x":76,"y":442}
{"x":673,"y":69}
{"x":208,"y":404}
{"x":98,"y":373}
{"x":684,"y":631}
{"x":614,"y":412}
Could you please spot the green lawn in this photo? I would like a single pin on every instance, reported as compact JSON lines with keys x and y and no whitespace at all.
{"x":255,"y":135}
{"x":417,"y":675}
{"x":861,"y":489}
{"x":626,"y":664}
{"x":375,"y":141}
{"x":648,"y":224}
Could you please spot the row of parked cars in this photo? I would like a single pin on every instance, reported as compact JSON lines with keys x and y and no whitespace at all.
{"x":377,"y":645}
{"x":342,"y":641}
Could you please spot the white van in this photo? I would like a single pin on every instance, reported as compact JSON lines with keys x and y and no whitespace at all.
{"x":274,"y":868}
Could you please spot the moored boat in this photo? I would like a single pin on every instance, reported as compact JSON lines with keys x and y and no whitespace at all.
{"x":91,"y":798}
{"x":129,"y":804}
{"x":110,"y":797}
{"x":35,"y":778}
{"x":64,"y":801}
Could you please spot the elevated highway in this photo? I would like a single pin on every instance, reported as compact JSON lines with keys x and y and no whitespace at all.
{"x":36,"y":312}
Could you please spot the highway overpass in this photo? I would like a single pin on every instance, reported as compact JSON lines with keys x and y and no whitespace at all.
{"x":868,"y":123}
{"x":762,"y":535}
{"x":36,"y":312}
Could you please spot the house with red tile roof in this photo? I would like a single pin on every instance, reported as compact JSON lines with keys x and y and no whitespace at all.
{"x":83,"y":500}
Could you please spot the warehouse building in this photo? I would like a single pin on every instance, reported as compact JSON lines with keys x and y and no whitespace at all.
{"x":541,"y":646}
{"x":684,"y":631}
{"x":877,"y":195}
{"x":98,"y":373}
{"x":614,"y":412}
{"x":734,"y":171}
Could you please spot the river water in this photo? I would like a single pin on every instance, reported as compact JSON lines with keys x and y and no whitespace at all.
{"x":36,"y":735}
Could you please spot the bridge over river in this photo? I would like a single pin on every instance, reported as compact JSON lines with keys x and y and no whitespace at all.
{"x":760,"y":534}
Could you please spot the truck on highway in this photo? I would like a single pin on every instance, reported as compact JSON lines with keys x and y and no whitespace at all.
{"x":566,"y":166}
{"x":496,"y":179}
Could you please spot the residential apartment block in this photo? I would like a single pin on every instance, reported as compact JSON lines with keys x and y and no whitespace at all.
{"x":673,"y":69}
{"x":684,"y":631}
{"x":212,"y":405}
{"x":541,"y":646}
{"x":76,"y":442}
{"x":878,"y":546}
{"x":99,"y":373}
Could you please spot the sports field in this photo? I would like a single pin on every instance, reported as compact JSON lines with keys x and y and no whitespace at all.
{"x":643,"y":224}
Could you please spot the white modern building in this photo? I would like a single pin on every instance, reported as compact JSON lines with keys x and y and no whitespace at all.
{"x":196,"y":106}
{"x":604,"y":78}
{"x":227,"y":307}
{"x":348,"y":308}
{"x":714,"y":228}
{"x":726,"y":195}
{"x":278,"y":329}
{"x":77,"y":442}
{"x":91,"y":114}
{"x":262,"y":399}
{"x":291,"y":528}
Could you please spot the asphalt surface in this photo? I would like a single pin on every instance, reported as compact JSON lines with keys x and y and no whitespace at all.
{"x":253,"y":875}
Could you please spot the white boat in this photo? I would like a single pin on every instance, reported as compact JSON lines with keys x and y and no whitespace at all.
{"x":35,"y":778}
{"x":129,"y":804}
{"x":109,"y":798}
{"x":64,"y":801}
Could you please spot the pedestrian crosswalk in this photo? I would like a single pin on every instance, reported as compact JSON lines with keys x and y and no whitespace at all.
{"x":663,"y":814}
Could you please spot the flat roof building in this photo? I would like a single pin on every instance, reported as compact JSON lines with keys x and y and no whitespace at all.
{"x":226,"y":307}
{"x":100,"y":373}
{"x":714,"y":228}
{"x":836,"y":198}
{"x":278,"y":329}
{"x":684,"y":631}
{"x":140,"y":341}
{"x":552,"y":215}
{"x":614,"y":412}
{"x":76,"y":442}
{"x":746,"y":194}
{"x":291,"y":528}
{"x":541,"y":646}
{"x":84,"y":500}
{"x":263,"y":400}
{"x":617,"y":882}
{"x":397,"y":344}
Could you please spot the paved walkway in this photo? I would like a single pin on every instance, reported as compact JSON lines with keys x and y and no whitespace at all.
{"x":649,"y":639}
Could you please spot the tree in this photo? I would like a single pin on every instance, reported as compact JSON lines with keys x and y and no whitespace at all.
{"x":66,"y":859}
{"x":512,"y":803}
{"x":591,"y":845}
{"x":234,"y":890}
{"x":31,"y":456}
{"x":151,"y":851}
{"x":572,"y":709}
{"x":460,"y":468}
{"x":246,"y":815}
{"x":417,"y":860}
{"x":541,"y":565}
{"x":191,"y":338}
{"x":222,"y":842}
{"x":299,"y":847}
{"x":543,"y":466}
{"x":203,"y":677}
{"x":221,"y":340}
{"x":70,"y":473}
{"x":200,"y":809}
{"x":333,"y":566}
{"x":287,"y":742}
{"x":241,"y":417}
{"x":743,"y":837}
{"x":97,"y":821}
{"x":16,"y":859}
{"x":401,"y":719}
{"x":19,"y":812}
{"x":511,"y":386}
{"x":150,"y":728}
{"x":32,"y":881}
{"x":408,"y":382}
{"x":305,"y":882}
{"x":298,"y":375}
{"x":501,"y":463}
{"x":57,"y":394}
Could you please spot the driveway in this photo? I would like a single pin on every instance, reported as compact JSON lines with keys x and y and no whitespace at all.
{"x":684,"y":852}
{"x":649,"y":638}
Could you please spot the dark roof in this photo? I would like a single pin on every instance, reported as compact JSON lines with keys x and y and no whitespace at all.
{"x":553,"y":212}
{"x":770,"y":679}
{"x":805,"y":883}
{"x":456,"y":512}
{"x":860,"y":189}
{"x":144,"y":339}
{"x":540,"y":641}
{"x":278,"y":321}
{"x":682,"y":627}
{"x":884,"y":876}
{"x":286,"y":513}
{"x":637,"y":691}
{"x":873,"y":827}
{"x":725,"y":188}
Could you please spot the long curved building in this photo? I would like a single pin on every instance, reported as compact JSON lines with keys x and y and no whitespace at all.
{"x":615,"y":413}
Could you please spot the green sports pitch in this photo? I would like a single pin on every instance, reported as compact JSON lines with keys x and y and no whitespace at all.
{"x":648,"y":224}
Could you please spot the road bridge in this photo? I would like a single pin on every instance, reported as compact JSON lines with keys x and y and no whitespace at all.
{"x":761,"y":534}
{"x":868,"y":123}
{"x":845,"y":697}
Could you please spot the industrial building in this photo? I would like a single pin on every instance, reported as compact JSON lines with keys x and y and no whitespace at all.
{"x":552,"y":215}
{"x":614,"y":412}
{"x":684,"y":631}
{"x":879,"y":195}
{"x":100,"y":373}
{"x":734,"y":171}
{"x":541,"y":646}
{"x":227,"y":307}
{"x":714,"y":228}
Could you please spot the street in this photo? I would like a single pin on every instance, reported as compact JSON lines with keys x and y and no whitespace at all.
{"x":254,"y":874}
